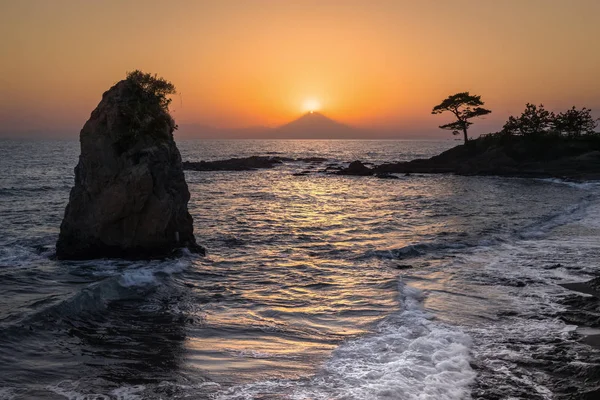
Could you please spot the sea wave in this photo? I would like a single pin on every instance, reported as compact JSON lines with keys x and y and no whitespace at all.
{"x":410,"y":356}
{"x":117,"y":282}
{"x":415,"y":250}
{"x":543,"y":226}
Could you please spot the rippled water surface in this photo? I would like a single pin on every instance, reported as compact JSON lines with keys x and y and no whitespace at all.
{"x":314,"y":287}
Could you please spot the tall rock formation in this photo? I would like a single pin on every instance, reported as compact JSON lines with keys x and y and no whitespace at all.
{"x":130,"y":196}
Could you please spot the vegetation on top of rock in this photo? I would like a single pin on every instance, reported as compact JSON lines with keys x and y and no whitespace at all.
{"x":464,"y":106}
{"x":145,"y":104}
{"x":154,"y":86}
{"x":533,"y":121}
{"x":575,"y":122}
{"x":536,"y":122}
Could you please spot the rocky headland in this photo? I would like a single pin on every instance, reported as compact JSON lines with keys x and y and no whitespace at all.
{"x":130,"y":195}
{"x":557,"y":157}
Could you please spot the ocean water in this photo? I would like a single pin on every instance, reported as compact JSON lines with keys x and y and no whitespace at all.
{"x":314,"y":287}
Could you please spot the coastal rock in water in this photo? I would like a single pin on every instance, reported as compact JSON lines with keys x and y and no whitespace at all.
{"x":385,"y":175}
{"x":130,"y":196}
{"x":235,"y":164}
{"x":356,"y":168}
{"x":247,"y":163}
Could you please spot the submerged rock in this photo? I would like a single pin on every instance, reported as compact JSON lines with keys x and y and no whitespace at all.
{"x":130,"y":195}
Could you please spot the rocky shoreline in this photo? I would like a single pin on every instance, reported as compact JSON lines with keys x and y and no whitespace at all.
{"x":556,"y":157}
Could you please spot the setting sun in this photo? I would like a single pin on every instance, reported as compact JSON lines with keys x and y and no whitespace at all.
{"x":311,"y":105}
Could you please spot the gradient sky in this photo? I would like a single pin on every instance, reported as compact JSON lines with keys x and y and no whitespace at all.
{"x":373,"y":64}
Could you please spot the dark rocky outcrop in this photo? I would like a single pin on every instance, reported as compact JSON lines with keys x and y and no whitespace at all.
{"x":313,"y":160}
{"x":385,"y":175}
{"x":557,"y":157}
{"x":235,"y":164}
{"x":246,"y":163}
{"x":356,"y":168}
{"x":130,"y":196}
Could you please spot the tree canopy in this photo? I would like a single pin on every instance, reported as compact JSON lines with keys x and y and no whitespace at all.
{"x":464,"y":106}
{"x":574,"y":122}
{"x":154,"y":86}
{"x":536,"y":121}
{"x":533,"y":121}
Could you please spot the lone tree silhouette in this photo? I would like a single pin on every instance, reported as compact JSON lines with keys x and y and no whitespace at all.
{"x":464,"y":107}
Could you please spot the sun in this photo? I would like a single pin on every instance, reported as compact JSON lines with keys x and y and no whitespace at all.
{"x":311,"y":105}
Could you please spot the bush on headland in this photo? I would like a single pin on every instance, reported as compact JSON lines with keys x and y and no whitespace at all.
{"x":539,"y":134}
{"x":538,"y":123}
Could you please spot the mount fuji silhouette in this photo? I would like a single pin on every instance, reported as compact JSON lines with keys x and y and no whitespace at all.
{"x":314,"y":125}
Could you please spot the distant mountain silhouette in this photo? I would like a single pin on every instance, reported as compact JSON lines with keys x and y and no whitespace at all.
{"x":309,"y":126}
{"x":314,"y":125}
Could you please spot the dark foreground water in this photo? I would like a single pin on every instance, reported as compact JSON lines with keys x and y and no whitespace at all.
{"x":306,"y":291}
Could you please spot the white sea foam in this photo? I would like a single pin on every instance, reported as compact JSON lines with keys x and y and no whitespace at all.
{"x":70,"y":390}
{"x":145,"y":274}
{"x":7,"y":393}
{"x":521,"y":282}
{"x":579,"y":185}
{"x":128,"y":392}
{"x":76,"y":390}
{"x":411,"y":356}
{"x":18,"y":256}
{"x":138,"y":277}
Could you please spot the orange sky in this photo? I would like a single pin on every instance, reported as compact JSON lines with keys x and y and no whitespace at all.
{"x":373,"y":63}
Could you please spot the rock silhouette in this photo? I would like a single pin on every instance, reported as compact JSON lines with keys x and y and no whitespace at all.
{"x":130,"y":195}
{"x":554,"y":157}
{"x":356,"y":168}
{"x":235,"y":164}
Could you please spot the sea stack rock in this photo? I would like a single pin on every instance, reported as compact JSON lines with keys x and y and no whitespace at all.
{"x":130,"y":196}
